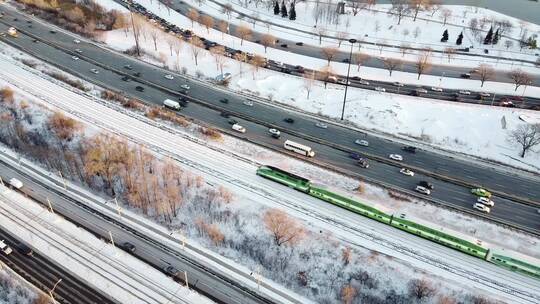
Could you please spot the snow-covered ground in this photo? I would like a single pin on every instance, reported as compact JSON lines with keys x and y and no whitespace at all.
{"x":219,"y":168}
{"x":15,"y":289}
{"x":103,"y":266}
{"x":375,"y":25}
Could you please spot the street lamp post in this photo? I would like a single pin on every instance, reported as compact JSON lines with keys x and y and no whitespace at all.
{"x":352,"y":41}
{"x":51,"y":292}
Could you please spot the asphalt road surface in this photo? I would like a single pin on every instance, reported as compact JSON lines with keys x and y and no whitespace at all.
{"x":303,"y":128}
{"x":44,"y":273}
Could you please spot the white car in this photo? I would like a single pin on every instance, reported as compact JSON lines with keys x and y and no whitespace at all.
{"x":95,"y":71}
{"x":485,"y":201}
{"x":248,"y":103}
{"x":364,"y":82}
{"x":481,"y":207}
{"x":185,"y":87}
{"x":362,"y":142}
{"x":77,"y":41}
{"x":274,"y":132}
{"x":406,"y":172}
{"x":342,"y":81}
{"x":398,"y":84}
{"x":484,"y":94}
{"x":321,"y":125}
{"x":169,"y":76}
{"x":421,"y":90}
{"x":436,"y":89}
{"x":15,"y":183}
{"x":422,"y":190}
{"x":465,"y":92}
{"x":379,"y":89}
{"x":238,"y":128}
{"x":78,"y":51}
{"x":74,"y":57}
{"x":396,"y":157}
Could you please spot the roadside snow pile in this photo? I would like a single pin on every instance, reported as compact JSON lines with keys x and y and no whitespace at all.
{"x":14,"y":289}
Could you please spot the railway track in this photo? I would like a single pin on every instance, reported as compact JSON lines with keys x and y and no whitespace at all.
{"x":496,"y":279}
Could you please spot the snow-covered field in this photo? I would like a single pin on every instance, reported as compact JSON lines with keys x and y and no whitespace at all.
{"x":231,"y":171}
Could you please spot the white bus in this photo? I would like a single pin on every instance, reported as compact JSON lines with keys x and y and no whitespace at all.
{"x":298,"y":148}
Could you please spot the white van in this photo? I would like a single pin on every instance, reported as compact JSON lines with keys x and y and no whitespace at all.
{"x":15,"y":183}
{"x":5,"y":248}
{"x":171,"y":104}
{"x":239,"y":128}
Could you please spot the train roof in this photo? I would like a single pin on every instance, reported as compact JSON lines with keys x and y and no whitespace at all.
{"x":287,"y":173}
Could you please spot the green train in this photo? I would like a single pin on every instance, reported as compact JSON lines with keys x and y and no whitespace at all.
{"x":304,"y":185}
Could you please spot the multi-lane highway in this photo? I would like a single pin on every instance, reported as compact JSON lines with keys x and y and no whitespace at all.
{"x":183,"y":8}
{"x":44,"y":273}
{"x":332,"y":145}
{"x":455,"y":95}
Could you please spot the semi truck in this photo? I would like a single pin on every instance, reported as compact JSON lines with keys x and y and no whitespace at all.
{"x":171,"y":104}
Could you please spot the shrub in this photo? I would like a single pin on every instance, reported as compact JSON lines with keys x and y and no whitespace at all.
{"x":72,"y":82}
{"x":398,"y":196}
{"x":7,"y":95}
{"x":211,"y":133}
{"x":29,"y":63}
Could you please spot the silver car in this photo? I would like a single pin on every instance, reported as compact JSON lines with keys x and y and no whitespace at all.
{"x":362,"y":142}
{"x":321,"y":125}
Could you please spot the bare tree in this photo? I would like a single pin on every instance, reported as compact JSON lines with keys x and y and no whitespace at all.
{"x":381,"y":44}
{"x":445,"y":14}
{"x":223,"y":27}
{"x":527,"y":136}
{"x":434,"y":7}
{"x":400,"y":8}
{"x":241,"y":58}
{"x":346,"y":254}
{"x":325,"y":73}
{"x":257,"y":61}
{"x":284,"y":229}
{"x":267,"y":40}
{"x":520,"y":77}
{"x":219,"y":56}
{"x":227,"y":10}
{"x":154,"y":33}
{"x":423,"y":63}
{"x":63,"y":127}
{"x":244,"y":32}
{"x":485,"y":72}
{"x":199,"y":2}
{"x":196,"y":48}
{"x":446,"y":300}
{"x":329,"y":53}
{"x":421,"y":289}
{"x":392,"y":64}
{"x":404,"y":49}
{"x":309,"y":80}
{"x":418,"y":5}
{"x":509,"y":43}
{"x":193,"y":15}
{"x":359,"y":59}
{"x":537,"y":63}
{"x":348,"y":294}
{"x":450,"y":53}
{"x":177,"y":47}
{"x":317,"y":12}
{"x":171,"y":40}
{"x":138,"y":24}
{"x":321,"y":32}
{"x":341,"y":36}
{"x":207,"y":21}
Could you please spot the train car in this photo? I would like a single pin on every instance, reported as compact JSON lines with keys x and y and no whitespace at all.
{"x":283,"y":177}
{"x":439,"y":237}
{"x":350,"y":204}
{"x":515,"y":263}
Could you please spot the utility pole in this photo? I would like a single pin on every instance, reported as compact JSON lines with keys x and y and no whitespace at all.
{"x":493,"y":99}
{"x":63,"y":180}
{"x":352,"y":41}
{"x":185,"y":278}
{"x":50,"y":206}
{"x":135,"y":33}
{"x":112,"y":240}
{"x":52,"y":290}
{"x":117,"y":206}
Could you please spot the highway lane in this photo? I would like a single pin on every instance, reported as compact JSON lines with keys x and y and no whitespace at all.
{"x":44,"y":273}
{"x":315,"y":51}
{"x":209,"y":282}
{"x":448,"y":94}
{"x":272,"y":116}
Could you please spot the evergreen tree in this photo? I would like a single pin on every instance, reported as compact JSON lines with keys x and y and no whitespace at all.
{"x":496,"y":37}
{"x":292,"y":12}
{"x":276,"y":8}
{"x":283,"y":9}
{"x":444,"y":36}
{"x":459,"y":39}
{"x":489,"y":36}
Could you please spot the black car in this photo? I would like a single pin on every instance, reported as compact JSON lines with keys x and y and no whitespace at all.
{"x":52,"y":31}
{"x":137,"y":74}
{"x":139,"y":88}
{"x":426,"y":185}
{"x":286,"y":70}
{"x":362,"y":162}
{"x":409,"y":149}
{"x":355,"y":156}
{"x":299,"y":69}
{"x":125,"y":78}
{"x":299,"y":43}
{"x":24,"y":249}
{"x":284,"y":45}
{"x":170,"y":270}
{"x":288,"y":120}
{"x":346,"y":60}
{"x":465,"y":75}
{"x":127,"y":246}
{"x":414,"y":93}
{"x":225,"y":114}
{"x":35,"y":40}
{"x":183,"y":101}
{"x":224,"y":100}
{"x":128,"y":67}
{"x":232,"y":121}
